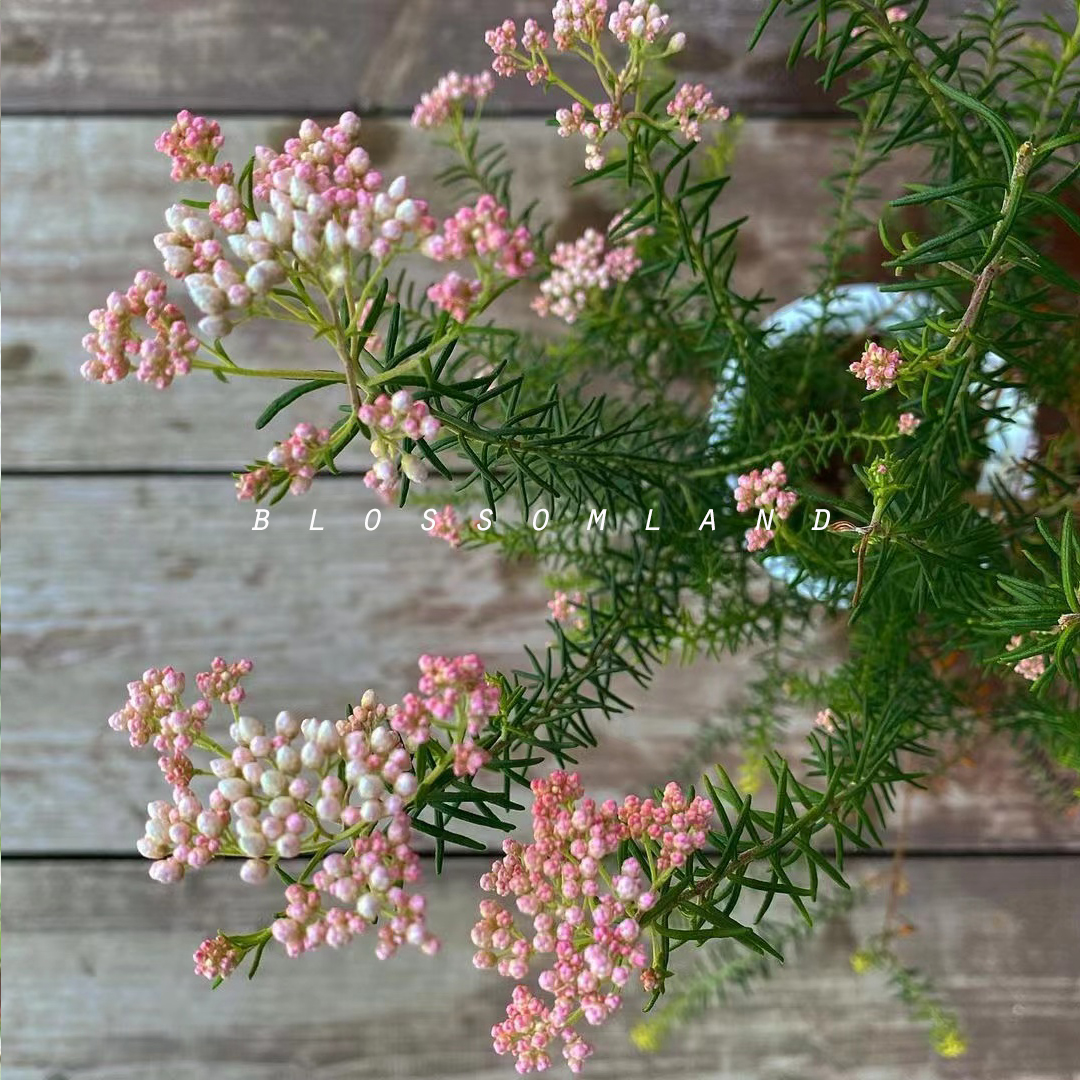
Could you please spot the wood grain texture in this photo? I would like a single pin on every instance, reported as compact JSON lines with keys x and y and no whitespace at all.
{"x":66,"y":245}
{"x":110,"y":575}
{"x":273,"y":55}
{"x":98,"y":987}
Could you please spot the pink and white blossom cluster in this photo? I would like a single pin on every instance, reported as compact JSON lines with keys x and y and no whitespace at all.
{"x":568,"y":608}
{"x":764,"y":489}
{"x":283,"y":789}
{"x":297,"y":457}
{"x":192,"y":143}
{"x":574,"y":120}
{"x":446,"y":526}
{"x":484,"y":232}
{"x":440,"y":103}
{"x":392,"y":418}
{"x":878,"y":366}
{"x":483,"y":235}
{"x":907,"y":423}
{"x":693,"y":106}
{"x":587,"y":931}
{"x":115,"y":345}
{"x":637,"y":20}
{"x":578,"y":26}
{"x":351,"y":891}
{"x":1030,"y":667}
{"x":581,"y":270}
{"x":453,"y":696}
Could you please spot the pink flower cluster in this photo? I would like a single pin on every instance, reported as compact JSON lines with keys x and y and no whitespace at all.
{"x":445,"y":526}
{"x":154,"y":711}
{"x":1030,"y":667}
{"x":578,"y":22}
{"x":456,"y":294}
{"x":568,"y":607}
{"x":826,"y":720}
{"x":637,"y":20}
{"x":439,"y":104}
{"x":297,"y":457}
{"x":281,"y":791}
{"x":693,"y":106}
{"x":878,"y":366}
{"x":192,"y":143}
{"x":115,"y":345}
{"x":907,"y":423}
{"x":455,"y":695}
{"x":574,"y":120}
{"x":216,"y":958}
{"x":483,"y":232}
{"x":222,"y":681}
{"x":591,"y":931}
{"x":327,"y":208}
{"x":764,"y":490}
{"x":581,"y":270}
{"x":367,"y":884}
{"x":392,"y":418}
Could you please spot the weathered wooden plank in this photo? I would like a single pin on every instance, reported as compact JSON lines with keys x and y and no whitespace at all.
{"x":377,"y":54}
{"x":98,"y":987}
{"x":254,"y":55}
{"x":66,"y":244}
{"x":108,"y":576}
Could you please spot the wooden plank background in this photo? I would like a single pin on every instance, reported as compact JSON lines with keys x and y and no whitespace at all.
{"x":125,"y":548}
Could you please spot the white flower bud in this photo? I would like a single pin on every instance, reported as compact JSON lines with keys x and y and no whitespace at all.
{"x":274,"y":783}
{"x":405,"y":785}
{"x":327,"y":737}
{"x":263,"y":276}
{"x":238,"y":242}
{"x":282,"y":806}
{"x":206,"y":296}
{"x":149,"y":848}
{"x":370,"y":786}
{"x":209,"y":824}
{"x":167,"y":871}
{"x":248,"y":727}
{"x":215,"y":326}
{"x":288,"y":760}
{"x":334,"y":237}
{"x":197,"y":228}
{"x":276,"y":231}
{"x":299,"y":190}
{"x":398,"y":189}
{"x":312,"y":757}
{"x":383,"y":740}
{"x":227,"y":197}
{"x":306,"y":245}
{"x":252,"y":772}
{"x":233,"y":789}
{"x":371,"y":810}
{"x":178,"y":260}
{"x":222,"y":767}
{"x":383,"y":207}
{"x":254,"y":845}
{"x":677,"y":43}
{"x":287,"y":723}
{"x":368,"y":907}
{"x":288,"y":846}
{"x":414,"y":468}
{"x":254,"y":872}
{"x":176,"y":215}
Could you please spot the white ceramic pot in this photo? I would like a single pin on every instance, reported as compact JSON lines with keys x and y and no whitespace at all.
{"x":864,"y":310}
